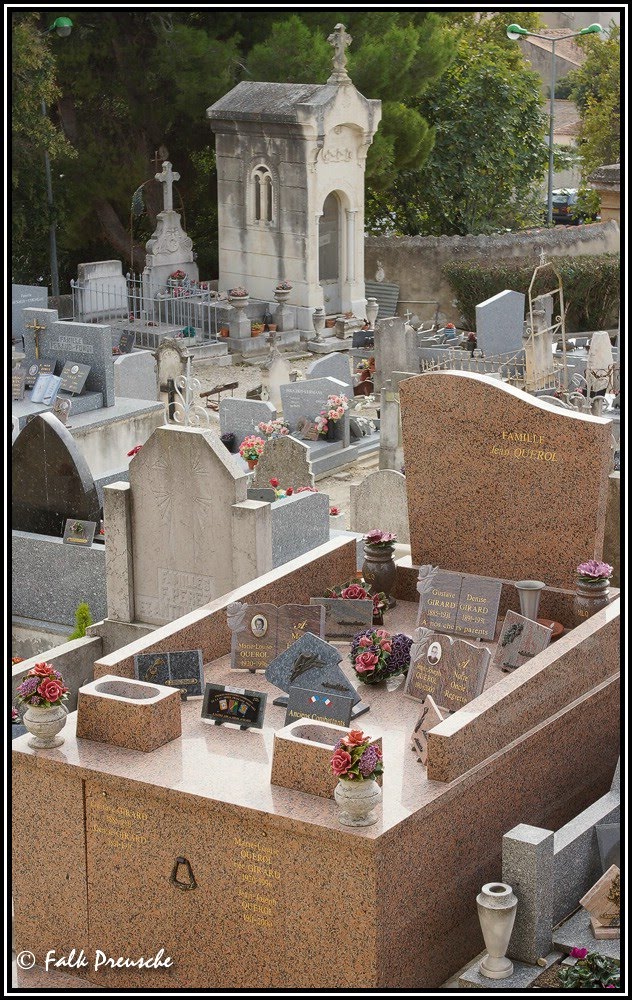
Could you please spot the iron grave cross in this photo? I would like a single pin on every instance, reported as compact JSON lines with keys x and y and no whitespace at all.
{"x":37,"y":329}
{"x":340,"y":40}
{"x":167,"y":177}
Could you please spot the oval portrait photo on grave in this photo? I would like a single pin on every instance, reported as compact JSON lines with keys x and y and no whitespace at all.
{"x":259,"y":626}
{"x":434,"y":653}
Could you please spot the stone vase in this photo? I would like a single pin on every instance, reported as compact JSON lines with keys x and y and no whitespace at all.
{"x":496,"y":905}
{"x":282,"y":295}
{"x":529,"y":593}
{"x":330,"y":433}
{"x":318,"y":319}
{"x":379,"y":571}
{"x":357,"y":801}
{"x":44,"y":724}
{"x":372,"y":309}
{"x":590,"y":596}
{"x":239,"y":301}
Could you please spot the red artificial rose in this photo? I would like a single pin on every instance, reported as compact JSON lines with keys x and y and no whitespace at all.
{"x":51,"y":689}
{"x":365,"y":663}
{"x":42,"y":670}
{"x":340,"y":762}
{"x":354,"y":593}
{"x":289,"y":491}
{"x":355,"y":738}
{"x":274,"y":483}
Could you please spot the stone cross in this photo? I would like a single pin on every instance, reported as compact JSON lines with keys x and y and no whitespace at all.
{"x":339,"y":39}
{"x":167,"y":177}
{"x":408,"y":315}
{"x":36,"y":328}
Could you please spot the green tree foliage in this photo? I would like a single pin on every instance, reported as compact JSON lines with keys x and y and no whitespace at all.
{"x":83,"y":619}
{"x":596,"y":89}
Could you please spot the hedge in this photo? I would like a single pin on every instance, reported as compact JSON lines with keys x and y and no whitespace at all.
{"x":591,"y":286}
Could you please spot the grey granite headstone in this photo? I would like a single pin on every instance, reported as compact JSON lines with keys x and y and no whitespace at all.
{"x":499,"y":323}
{"x":51,"y":481}
{"x":287,"y":460}
{"x":311,"y":663}
{"x":308,"y":398}
{"x":299,"y":523}
{"x":264,"y":495}
{"x":23,"y":297}
{"x":86,"y":343}
{"x":241,"y":416}
{"x":334,"y":365}
{"x":136,"y":376}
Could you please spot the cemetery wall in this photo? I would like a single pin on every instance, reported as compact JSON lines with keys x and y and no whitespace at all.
{"x":415,"y":262}
{"x":50,"y":578}
{"x":74,"y":660}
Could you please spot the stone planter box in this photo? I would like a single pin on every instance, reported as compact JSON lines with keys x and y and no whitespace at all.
{"x":301,"y":755}
{"x":128,"y":713}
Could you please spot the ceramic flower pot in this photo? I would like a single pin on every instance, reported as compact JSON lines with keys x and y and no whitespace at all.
{"x":496,"y":906}
{"x":44,"y":724}
{"x":590,"y":596}
{"x":252,"y":462}
{"x":357,"y":801}
{"x":379,"y":571}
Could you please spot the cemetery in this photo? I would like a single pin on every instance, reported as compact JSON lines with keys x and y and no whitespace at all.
{"x":291,"y":745}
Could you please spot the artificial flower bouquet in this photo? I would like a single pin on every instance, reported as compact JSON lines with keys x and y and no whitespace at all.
{"x":356,"y":758}
{"x":376,"y":655}
{"x":251,"y":448}
{"x":273,"y":428}
{"x":380,"y":539}
{"x":239,"y":292}
{"x":43,"y":687}
{"x":593,"y":570}
{"x":284,"y":286}
{"x":358,"y":591}
{"x":335,"y":409}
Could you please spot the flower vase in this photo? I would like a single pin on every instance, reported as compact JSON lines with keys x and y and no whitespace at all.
{"x":590,"y":596}
{"x":496,"y":906}
{"x":252,"y":462}
{"x":44,"y":724}
{"x":330,"y":434}
{"x":379,"y":571}
{"x":282,"y":295}
{"x":357,"y":801}
{"x":318,"y":319}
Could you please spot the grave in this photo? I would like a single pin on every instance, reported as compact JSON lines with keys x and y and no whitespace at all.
{"x":287,"y":460}
{"x":169,"y":249}
{"x":499,"y":323}
{"x":136,"y":376}
{"x":395,"y":350}
{"x":379,"y":501}
{"x":25,"y":297}
{"x":515,"y":455}
{"x":333,"y":366}
{"x":241,"y":416}
{"x":102,"y":290}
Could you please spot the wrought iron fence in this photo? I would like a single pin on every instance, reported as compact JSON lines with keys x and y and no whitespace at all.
{"x":510,"y":367}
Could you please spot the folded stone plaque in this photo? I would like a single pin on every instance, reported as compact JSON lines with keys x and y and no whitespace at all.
{"x":184,"y":670}
{"x":36,"y":369}
{"x":45,"y":389}
{"x":313,"y":664}
{"x":451,"y":670}
{"x":73,"y":377}
{"x":318,"y":706}
{"x":261,"y":631}
{"x":230,"y":704}
{"x":77,"y":532}
{"x":520,"y":639}
{"x":460,"y":603}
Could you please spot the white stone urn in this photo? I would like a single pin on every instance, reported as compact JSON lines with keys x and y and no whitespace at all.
{"x":282,"y":294}
{"x":44,"y":724}
{"x":497,"y":912}
{"x":238,"y":301}
{"x":372,"y":309}
{"x":318,"y":319}
{"x":357,"y":801}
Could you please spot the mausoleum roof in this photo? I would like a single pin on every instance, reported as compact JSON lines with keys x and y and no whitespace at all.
{"x":275,"y":102}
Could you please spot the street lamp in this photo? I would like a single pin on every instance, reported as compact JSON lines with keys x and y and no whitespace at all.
{"x":62,"y":26}
{"x":515,"y":33}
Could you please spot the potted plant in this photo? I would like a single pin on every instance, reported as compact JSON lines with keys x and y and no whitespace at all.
{"x":43,"y":692}
{"x":282,"y":291}
{"x":591,"y":972}
{"x":377,"y":655}
{"x":378,"y":568}
{"x":357,"y":763}
{"x":251,"y":449}
{"x":591,"y":588}
{"x":224,"y":331}
{"x":256,"y":329}
{"x":327,"y":419}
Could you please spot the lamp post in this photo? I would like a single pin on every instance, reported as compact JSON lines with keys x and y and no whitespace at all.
{"x":62,"y":26}
{"x":515,"y":33}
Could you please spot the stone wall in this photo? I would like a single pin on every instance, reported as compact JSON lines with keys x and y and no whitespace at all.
{"x":50,"y":579}
{"x":416,"y":262}
{"x":74,"y":660}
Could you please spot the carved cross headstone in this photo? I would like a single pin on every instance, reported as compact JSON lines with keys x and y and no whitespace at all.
{"x":339,"y":39}
{"x":167,"y":178}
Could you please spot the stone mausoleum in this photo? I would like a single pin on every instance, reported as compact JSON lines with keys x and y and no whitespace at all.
{"x":290,"y":170}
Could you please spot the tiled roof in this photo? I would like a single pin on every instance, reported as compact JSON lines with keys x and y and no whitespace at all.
{"x":566,"y":120}
{"x":567,"y":49}
{"x":607,"y":176}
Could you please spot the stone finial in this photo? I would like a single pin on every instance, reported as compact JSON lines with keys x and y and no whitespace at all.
{"x":339,"y":39}
{"x":167,"y":178}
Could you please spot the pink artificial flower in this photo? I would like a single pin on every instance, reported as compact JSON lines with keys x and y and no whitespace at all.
{"x":365,"y":663}
{"x":334,"y":511}
{"x":386,"y":646}
{"x":365,"y":641}
{"x":355,"y":738}
{"x":594,"y":569}
{"x":383,"y":634}
{"x":340,"y":762}
{"x":354,"y":592}
{"x":579,"y":952}
{"x":42,"y":670}
{"x":51,"y":689}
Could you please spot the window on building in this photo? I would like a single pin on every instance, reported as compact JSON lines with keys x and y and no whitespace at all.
{"x":263,"y":194}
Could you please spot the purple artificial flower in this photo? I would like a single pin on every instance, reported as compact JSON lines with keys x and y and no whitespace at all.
{"x":595,"y":570}
{"x":28,"y":686}
{"x":36,"y":700}
{"x":368,"y":761}
{"x":15,"y":715}
{"x":579,"y":952}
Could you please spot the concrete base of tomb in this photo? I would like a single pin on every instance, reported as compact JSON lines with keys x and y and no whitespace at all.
{"x":522,"y":978}
{"x":329,"y":345}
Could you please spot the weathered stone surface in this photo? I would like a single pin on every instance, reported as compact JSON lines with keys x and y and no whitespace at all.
{"x":395,"y":349}
{"x":499,"y":323}
{"x":136,"y":376}
{"x":334,"y":365}
{"x":24,"y":297}
{"x":241,"y":416}
{"x":299,"y":523}
{"x":287,"y":460}
{"x":528,"y":866}
{"x":380,"y":501}
{"x":51,"y":480}
{"x":487,"y":470}
{"x":84,"y":343}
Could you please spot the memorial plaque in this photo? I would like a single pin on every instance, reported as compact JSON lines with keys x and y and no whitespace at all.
{"x":77,"y":532}
{"x":460,"y":603}
{"x":262,"y":631}
{"x":310,"y":663}
{"x":265,"y":495}
{"x":603,"y":901}
{"x":609,"y":843}
{"x":61,"y":410}
{"x":39,"y":368}
{"x":431,"y":716}
{"x":152,"y":668}
{"x":45,"y":389}
{"x":306,"y":430}
{"x":520,"y":639}
{"x":318,"y":706}
{"x":451,"y":670}
{"x":186,"y":672}
{"x":73,"y":377}
{"x":345,"y":618}
{"x":228,"y":704}
{"x":18,"y":382}
{"x":127,"y":341}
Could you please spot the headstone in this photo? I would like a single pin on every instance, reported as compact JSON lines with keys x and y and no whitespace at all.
{"x":520,"y":639}
{"x":81,"y":343}
{"x":18,"y":381}
{"x":136,"y":376}
{"x":73,"y":377}
{"x":380,"y":501}
{"x":308,"y":398}
{"x":431,"y":715}
{"x":23,"y":297}
{"x":600,"y":363}
{"x":51,"y":481}
{"x":334,"y":365}
{"x":241,"y":416}
{"x":499,"y":323}
{"x":318,"y":707}
{"x":344,"y":618}
{"x":395,"y":350}
{"x":261,"y":631}
{"x":77,"y":532}
{"x":310,"y":663}
{"x":275,"y":372}
{"x":237,"y":705}
{"x":35,"y":323}
{"x":487,"y":467}
{"x":287,"y":460}
{"x":453,"y":671}
{"x":171,"y":358}
{"x":101,"y":290}
{"x":451,"y":602}
{"x":169,"y":249}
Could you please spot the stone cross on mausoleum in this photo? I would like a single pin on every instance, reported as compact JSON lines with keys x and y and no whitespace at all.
{"x":167,"y":178}
{"x":340,"y":40}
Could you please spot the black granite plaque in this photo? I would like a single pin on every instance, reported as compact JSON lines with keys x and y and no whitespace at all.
{"x":79,"y":532}
{"x":266,"y":495}
{"x":318,"y":706}
{"x":73,"y":377}
{"x":45,"y":389}
{"x":186,"y":672}
{"x":152,"y":667}
{"x":38,"y":368}
{"x":310,"y":663}
{"x":18,"y":382}
{"x":127,"y":341}
{"x":229,"y":704}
